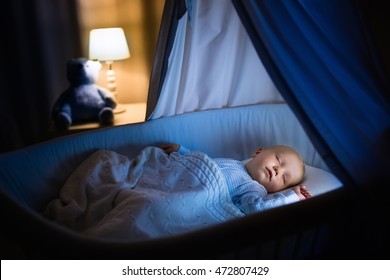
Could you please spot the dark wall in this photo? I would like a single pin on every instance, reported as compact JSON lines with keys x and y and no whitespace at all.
{"x":42,"y":36}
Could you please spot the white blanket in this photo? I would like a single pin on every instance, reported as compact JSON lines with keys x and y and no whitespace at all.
{"x":152,"y":195}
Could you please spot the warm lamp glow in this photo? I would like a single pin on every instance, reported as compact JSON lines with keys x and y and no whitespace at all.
{"x":109,"y":44}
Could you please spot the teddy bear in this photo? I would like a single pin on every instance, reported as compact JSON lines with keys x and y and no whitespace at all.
{"x":83,"y":100}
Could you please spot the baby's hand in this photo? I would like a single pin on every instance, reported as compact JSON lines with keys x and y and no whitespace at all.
{"x":170,"y":148}
{"x":302,"y":192}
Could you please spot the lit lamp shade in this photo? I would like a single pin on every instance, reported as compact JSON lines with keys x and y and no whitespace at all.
{"x":108,"y":44}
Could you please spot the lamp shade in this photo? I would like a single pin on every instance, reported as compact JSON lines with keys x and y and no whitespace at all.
{"x":108,"y":44}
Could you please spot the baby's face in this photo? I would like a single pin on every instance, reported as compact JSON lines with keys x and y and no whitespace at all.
{"x":276,"y":168}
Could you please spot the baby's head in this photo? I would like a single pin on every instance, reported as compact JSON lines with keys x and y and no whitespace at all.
{"x":276,"y":167}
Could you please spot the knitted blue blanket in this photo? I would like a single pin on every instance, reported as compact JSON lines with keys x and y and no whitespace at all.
{"x":152,"y":195}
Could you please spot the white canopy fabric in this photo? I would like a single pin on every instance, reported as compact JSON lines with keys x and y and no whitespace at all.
{"x":213,"y":64}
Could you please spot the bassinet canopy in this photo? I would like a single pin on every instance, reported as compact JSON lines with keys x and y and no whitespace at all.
{"x":318,"y":54}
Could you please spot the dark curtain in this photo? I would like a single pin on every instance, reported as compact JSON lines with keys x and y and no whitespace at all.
{"x":42,"y":36}
{"x":324,"y":60}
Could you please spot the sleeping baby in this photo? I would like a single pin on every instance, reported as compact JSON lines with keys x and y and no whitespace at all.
{"x":170,"y":190}
{"x":253,"y":184}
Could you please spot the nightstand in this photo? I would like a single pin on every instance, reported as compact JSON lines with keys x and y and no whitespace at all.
{"x":134,"y":113}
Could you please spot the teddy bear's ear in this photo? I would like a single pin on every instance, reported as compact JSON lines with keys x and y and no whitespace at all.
{"x":76,"y":61}
{"x":70,"y":61}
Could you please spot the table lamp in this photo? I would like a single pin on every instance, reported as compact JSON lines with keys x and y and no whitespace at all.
{"x":108,"y":45}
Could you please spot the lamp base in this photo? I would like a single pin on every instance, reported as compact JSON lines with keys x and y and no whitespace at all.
{"x":119,"y":109}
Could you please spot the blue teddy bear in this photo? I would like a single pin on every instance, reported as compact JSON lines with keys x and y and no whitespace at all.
{"x":83,"y":101}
